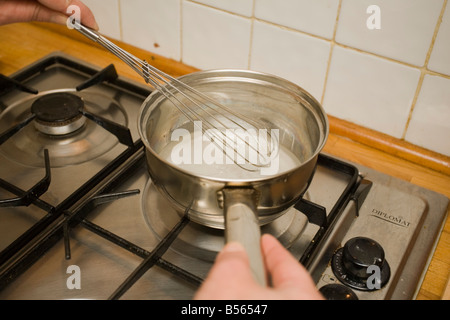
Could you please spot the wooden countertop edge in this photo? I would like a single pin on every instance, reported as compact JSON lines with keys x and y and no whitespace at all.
{"x":446,"y":295}
{"x":390,"y":145}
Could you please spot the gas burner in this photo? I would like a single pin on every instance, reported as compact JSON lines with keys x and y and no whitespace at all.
{"x":202,"y":242}
{"x":58,"y":113}
{"x":141,"y":247}
{"x":61,"y":126}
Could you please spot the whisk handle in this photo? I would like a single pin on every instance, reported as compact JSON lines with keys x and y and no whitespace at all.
{"x":241,"y":225}
{"x":91,"y":34}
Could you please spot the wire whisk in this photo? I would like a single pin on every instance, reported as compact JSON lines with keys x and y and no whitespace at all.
{"x":228,"y":129}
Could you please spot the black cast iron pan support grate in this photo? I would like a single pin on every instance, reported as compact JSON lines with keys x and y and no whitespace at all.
{"x":79,"y":217}
{"x":356,"y":190}
{"x":60,"y":228}
{"x":88,"y":207}
{"x":108,"y":74}
{"x":150,"y":259}
{"x":42,"y":245}
{"x":14,"y":260}
{"x":7,"y":84}
{"x":315,"y":213}
{"x":25,"y":198}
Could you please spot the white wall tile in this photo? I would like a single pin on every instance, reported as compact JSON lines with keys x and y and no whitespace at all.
{"x":153,"y":25}
{"x":214,"y":39}
{"x":370,"y":91}
{"x":316,"y":17}
{"x":292,"y":55}
{"x":430,"y":122}
{"x":440,"y":56}
{"x":407,"y":28}
{"x":106,"y":14}
{"x":364,"y":89}
{"x":242,"y":7}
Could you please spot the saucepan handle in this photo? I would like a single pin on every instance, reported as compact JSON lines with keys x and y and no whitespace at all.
{"x":241,"y":225}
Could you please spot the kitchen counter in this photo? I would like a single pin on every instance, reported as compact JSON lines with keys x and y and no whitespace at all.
{"x":22,"y":44}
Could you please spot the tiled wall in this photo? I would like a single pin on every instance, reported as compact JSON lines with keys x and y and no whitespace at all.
{"x":382,"y":64}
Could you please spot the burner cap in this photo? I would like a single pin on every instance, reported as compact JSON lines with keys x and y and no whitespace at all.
{"x":58,"y":113}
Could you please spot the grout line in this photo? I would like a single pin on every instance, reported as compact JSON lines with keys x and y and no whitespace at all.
{"x":292,"y":29}
{"x":376,"y":55}
{"x":413,"y":104}
{"x":220,"y":9}
{"x":424,"y":70}
{"x":434,"y":73}
{"x":436,"y":31}
{"x":120,"y":19}
{"x":394,"y":60}
{"x":252,"y":25}
{"x":181,"y":31}
{"x":333,"y":43}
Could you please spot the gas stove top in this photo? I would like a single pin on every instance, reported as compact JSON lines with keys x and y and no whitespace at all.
{"x":81,"y":219}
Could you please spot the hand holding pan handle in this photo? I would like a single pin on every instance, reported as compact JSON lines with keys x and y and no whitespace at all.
{"x":241,"y":225}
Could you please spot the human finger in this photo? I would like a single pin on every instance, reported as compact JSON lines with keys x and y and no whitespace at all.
{"x":43,"y":10}
{"x":230,"y":273}
{"x":285,"y":271}
{"x":86,"y":15}
{"x":23,"y":11}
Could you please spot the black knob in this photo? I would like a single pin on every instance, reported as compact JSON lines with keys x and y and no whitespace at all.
{"x":337,"y":291}
{"x":360,"y":253}
{"x":361,"y":264}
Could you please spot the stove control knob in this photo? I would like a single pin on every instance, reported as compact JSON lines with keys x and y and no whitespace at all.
{"x":360,"y":264}
{"x":337,"y":291}
{"x":360,"y":253}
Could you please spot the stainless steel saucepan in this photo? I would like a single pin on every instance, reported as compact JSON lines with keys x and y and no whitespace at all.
{"x":220,"y":194}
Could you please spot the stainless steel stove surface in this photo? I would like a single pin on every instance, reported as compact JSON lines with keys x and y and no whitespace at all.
{"x":86,"y":222}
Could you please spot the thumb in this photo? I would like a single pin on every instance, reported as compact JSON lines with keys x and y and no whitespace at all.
{"x":232,"y":261}
{"x":230,"y":271}
{"x":232,"y":250}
